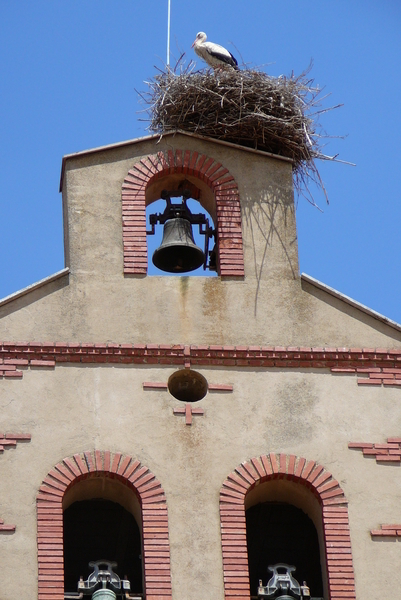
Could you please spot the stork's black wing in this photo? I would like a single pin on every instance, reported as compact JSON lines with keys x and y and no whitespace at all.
{"x":228,"y":58}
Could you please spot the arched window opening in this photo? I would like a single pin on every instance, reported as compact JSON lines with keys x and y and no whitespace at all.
{"x":278,"y":532}
{"x":180,"y":241}
{"x":101,"y":529}
{"x":207,"y":180}
{"x":303,"y":484}
{"x":103,"y":476}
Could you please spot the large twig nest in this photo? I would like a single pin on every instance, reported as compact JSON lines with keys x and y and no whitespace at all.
{"x":247,"y":107}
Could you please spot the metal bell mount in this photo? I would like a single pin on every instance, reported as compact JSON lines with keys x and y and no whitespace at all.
{"x":104,"y":583}
{"x":178,"y":252}
{"x":283,"y":585}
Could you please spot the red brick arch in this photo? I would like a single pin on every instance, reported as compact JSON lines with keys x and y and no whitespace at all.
{"x":230,"y":257}
{"x":155,"y":539}
{"x":340,"y":572}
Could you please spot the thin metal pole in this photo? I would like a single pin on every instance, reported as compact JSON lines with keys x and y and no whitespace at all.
{"x":168,"y":32}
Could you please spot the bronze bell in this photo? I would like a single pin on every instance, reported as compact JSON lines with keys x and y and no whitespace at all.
{"x":178,"y":252}
{"x":104,"y":594}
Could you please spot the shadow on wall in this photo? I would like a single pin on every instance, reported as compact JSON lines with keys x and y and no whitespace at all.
{"x":270,"y":219}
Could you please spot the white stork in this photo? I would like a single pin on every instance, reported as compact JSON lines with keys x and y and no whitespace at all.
{"x":214,"y":55}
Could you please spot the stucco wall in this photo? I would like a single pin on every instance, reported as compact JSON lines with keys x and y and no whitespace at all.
{"x":307,"y":412}
{"x":97,"y":303}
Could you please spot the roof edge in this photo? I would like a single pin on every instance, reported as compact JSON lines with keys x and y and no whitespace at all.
{"x":350,"y":301}
{"x":34,"y":286}
{"x":159,"y":136}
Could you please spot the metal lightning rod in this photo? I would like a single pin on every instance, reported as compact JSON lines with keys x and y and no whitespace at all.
{"x":168,"y":32}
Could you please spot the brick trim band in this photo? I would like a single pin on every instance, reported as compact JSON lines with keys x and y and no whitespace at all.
{"x":230,"y":259}
{"x":387,"y":531}
{"x":389,"y":452}
{"x":347,"y":361}
{"x":340,"y":572}
{"x":9,"y":364}
{"x":10,"y":440}
{"x":156,"y":546}
{"x":6,"y":528}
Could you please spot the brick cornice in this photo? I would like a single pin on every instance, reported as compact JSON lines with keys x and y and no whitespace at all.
{"x":321,"y":483}
{"x":230,"y":259}
{"x":375,"y":366}
{"x":151,"y":496}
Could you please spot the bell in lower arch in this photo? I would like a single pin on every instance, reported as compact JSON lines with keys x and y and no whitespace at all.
{"x":104,"y":594}
{"x":178,"y":252}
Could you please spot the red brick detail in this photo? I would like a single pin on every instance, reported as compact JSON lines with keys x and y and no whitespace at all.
{"x":6,"y":528}
{"x":154,"y":519}
{"x":387,"y":375}
{"x":9,"y":440}
{"x":220,"y":387}
{"x":154,"y":385}
{"x":230,"y":259}
{"x":212,"y":387}
{"x":188,"y":412}
{"x":387,"y":372}
{"x":337,"y":360}
{"x":388,"y":531}
{"x":9,"y":364}
{"x":340,"y":572}
{"x":187,"y":354}
{"x":389,"y":452}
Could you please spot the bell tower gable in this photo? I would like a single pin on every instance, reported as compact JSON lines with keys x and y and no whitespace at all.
{"x":248,"y":193}
{"x":208,"y":181}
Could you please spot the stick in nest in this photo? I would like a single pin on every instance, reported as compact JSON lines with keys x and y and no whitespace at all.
{"x":248,"y":108}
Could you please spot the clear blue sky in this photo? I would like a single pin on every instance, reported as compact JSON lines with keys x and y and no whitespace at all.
{"x":68,"y":74}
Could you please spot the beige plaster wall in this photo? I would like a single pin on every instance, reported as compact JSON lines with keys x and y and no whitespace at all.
{"x":76,"y":408}
{"x":97,"y":303}
{"x":315,"y":415}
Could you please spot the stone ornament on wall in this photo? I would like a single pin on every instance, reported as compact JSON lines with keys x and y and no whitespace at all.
{"x":326,"y":489}
{"x":148,"y":489}
{"x":230,"y":259}
{"x":189,"y":386}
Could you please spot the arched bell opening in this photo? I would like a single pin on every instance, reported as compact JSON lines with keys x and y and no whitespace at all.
{"x":181,"y":234}
{"x":284,"y":525}
{"x":101,"y":522}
